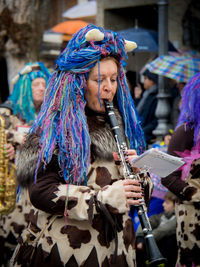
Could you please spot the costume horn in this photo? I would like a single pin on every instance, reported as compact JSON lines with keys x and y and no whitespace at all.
{"x":15,"y":79}
{"x":94,"y":35}
{"x":26,"y":70}
{"x":130,"y":46}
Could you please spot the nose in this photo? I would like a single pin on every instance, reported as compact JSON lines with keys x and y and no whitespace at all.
{"x":41,"y":87}
{"x":107,"y":85}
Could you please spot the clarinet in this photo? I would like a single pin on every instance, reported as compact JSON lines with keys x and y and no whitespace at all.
{"x":153,"y":254}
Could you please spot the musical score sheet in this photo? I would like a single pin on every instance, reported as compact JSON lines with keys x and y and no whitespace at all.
{"x":158,"y":162}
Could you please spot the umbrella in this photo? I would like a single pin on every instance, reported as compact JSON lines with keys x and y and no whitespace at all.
{"x":69,"y":27}
{"x":147,"y":40}
{"x":54,"y":38}
{"x":87,"y":9}
{"x":179,"y":68}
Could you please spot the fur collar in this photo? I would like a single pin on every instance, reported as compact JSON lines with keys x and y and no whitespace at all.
{"x":102,"y":146}
{"x":26,"y":159}
{"x":103,"y":143}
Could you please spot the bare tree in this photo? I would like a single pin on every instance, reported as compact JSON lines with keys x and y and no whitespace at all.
{"x":22,"y":23}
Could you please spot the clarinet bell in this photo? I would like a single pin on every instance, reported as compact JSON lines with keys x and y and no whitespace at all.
{"x":155,"y":258}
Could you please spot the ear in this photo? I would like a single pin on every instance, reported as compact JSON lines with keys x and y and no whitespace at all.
{"x":130,"y":46}
{"x":94,"y":35}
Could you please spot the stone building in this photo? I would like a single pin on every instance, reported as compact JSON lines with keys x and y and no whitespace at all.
{"x":22,"y":24}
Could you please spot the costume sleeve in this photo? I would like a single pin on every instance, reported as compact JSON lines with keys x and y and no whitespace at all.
{"x":84,"y":202}
{"x":191,"y":193}
{"x":50,"y":195}
{"x":181,"y":140}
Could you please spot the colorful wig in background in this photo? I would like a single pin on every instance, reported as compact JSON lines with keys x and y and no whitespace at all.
{"x":62,"y":121}
{"x":21,"y":97}
{"x":190,"y":107}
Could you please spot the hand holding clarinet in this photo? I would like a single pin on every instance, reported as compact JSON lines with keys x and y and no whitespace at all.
{"x":132,"y":187}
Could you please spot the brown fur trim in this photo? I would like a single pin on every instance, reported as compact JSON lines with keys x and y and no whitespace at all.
{"x":102,"y":147}
{"x":26,"y":160}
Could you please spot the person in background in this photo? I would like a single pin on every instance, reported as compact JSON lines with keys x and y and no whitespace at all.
{"x":185,"y":183}
{"x":163,"y":145}
{"x":28,"y":91}
{"x":23,"y":105}
{"x":131,"y":81}
{"x":147,"y":105}
{"x":19,"y":112}
{"x":164,"y":231}
{"x":176,"y":104}
{"x":80,"y":200}
{"x":138,"y":93}
{"x":136,"y":88}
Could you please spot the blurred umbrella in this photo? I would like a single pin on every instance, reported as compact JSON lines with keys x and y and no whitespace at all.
{"x":147,"y":40}
{"x":56,"y":38}
{"x":179,"y":68}
{"x":87,"y":9}
{"x":69,"y":27}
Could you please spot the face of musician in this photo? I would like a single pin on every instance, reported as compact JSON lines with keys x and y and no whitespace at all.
{"x":168,"y":205}
{"x":108,"y":84}
{"x":38,"y":89}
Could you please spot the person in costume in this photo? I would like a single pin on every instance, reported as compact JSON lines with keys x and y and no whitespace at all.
{"x":19,"y":112}
{"x":185,"y":183}
{"x":23,"y":105}
{"x":80,"y":199}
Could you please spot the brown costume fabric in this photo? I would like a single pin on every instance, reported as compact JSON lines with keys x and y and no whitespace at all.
{"x":188,"y":207}
{"x":97,"y":230}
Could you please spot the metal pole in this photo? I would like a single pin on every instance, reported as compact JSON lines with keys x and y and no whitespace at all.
{"x":63,"y":9}
{"x":163,"y":107}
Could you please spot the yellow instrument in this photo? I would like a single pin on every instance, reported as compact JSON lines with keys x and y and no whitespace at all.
{"x":8,"y":182}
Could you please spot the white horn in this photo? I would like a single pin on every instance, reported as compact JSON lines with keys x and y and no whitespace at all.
{"x":15,"y":79}
{"x":130,"y":46}
{"x":26,"y":70}
{"x":94,"y":35}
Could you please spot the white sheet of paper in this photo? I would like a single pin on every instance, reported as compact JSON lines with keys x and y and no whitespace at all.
{"x":158,"y":162}
{"x":23,"y":129}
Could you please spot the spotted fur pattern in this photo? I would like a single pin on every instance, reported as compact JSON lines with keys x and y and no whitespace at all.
{"x":86,"y":237}
{"x":16,"y":221}
{"x":188,"y":220}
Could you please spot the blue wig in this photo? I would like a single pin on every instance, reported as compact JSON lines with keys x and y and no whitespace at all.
{"x":21,"y":97}
{"x":190,"y":107}
{"x":62,"y":121}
